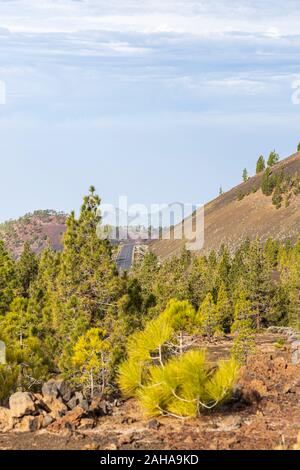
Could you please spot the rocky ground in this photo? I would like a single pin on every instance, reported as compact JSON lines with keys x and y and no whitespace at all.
{"x":264,"y":414}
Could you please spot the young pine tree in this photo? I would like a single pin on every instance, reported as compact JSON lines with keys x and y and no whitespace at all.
{"x":273,"y":159}
{"x":8,"y":279}
{"x":242,"y":328}
{"x":245,"y":175}
{"x":260,"y":165}
{"x":26,"y":270}
{"x":260,"y":286}
{"x":224,"y":309}
{"x":207,"y":317}
{"x":268,"y":183}
{"x":91,"y":360}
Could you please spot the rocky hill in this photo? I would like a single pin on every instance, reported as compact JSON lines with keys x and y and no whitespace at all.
{"x":246,"y":212}
{"x":38,"y":228}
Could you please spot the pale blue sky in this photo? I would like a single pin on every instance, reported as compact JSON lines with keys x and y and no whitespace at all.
{"x":159,"y":101}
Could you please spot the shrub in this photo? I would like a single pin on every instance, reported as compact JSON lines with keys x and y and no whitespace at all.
{"x":178,"y":385}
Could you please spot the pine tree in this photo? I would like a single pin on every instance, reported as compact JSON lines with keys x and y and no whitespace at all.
{"x":260,"y":165}
{"x":26,"y":270}
{"x":243,"y":344}
{"x":273,"y":159}
{"x":268,"y":183}
{"x":8,"y":280}
{"x":21,"y":328}
{"x":277,"y":196}
{"x":298,"y":147}
{"x":91,"y":360}
{"x":224,"y":309}
{"x":243,"y":317}
{"x":271,"y":252}
{"x":223,"y":268}
{"x":87,"y":270}
{"x":290,"y":278}
{"x":260,"y":288}
{"x":130,"y":305}
{"x":207,"y":317}
{"x":245,"y":175}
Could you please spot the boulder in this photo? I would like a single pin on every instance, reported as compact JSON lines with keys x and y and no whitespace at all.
{"x":57,"y":408}
{"x":6,"y":422}
{"x":72,"y":403}
{"x":50,"y":389}
{"x":100,"y":407}
{"x":78,"y":400}
{"x":71,"y":421}
{"x":29,"y":424}
{"x":47,"y":420}
{"x":21,"y":404}
{"x":57,"y":388}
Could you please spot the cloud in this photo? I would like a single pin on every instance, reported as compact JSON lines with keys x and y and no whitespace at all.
{"x":93,"y":58}
{"x":151,"y":16}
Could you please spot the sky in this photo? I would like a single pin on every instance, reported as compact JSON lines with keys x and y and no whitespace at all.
{"x":159,"y":101}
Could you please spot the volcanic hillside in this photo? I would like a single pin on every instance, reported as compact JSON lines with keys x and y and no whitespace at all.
{"x":246,"y":212}
{"x":38,"y":228}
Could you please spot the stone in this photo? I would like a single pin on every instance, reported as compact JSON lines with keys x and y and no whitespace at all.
{"x":72,"y":403}
{"x":21,"y":404}
{"x":86,"y":423}
{"x":100,"y":407}
{"x":47,"y":420}
{"x":70,"y":421}
{"x":40,"y":404}
{"x":50,"y":389}
{"x":6,"y":422}
{"x":55,"y":406}
{"x":295,"y":346}
{"x":62,"y":387}
{"x":154,"y":424}
{"x":84,"y":404}
{"x":29,"y":424}
{"x":57,"y":388}
{"x":67,"y":396}
{"x":79,"y":396}
{"x":229,"y":423}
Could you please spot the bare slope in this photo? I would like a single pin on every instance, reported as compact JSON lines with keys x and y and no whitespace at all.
{"x":230,"y":220}
{"x":38,"y":229}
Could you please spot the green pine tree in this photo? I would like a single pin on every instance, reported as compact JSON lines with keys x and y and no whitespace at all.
{"x":245,"y":175}
{"x":207,"y":317}
{"x":260,"y":165}
{"x":224,"y":309}
{"x":8,"y":279}
{"x":273,"y":159}
{"x":26,"y":270}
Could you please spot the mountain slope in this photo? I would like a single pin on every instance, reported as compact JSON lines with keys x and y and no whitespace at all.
{"x":243,"y":212}
{"x":37,"y":228}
